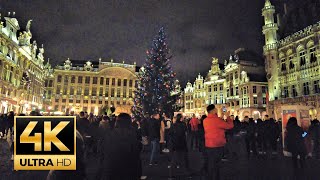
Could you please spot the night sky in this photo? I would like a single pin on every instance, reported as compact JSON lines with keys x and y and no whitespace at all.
{"x":123,"y":29}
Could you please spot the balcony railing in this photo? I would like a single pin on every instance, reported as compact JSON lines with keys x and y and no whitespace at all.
{"x":270,"y":47}
{"x":269,"y":26}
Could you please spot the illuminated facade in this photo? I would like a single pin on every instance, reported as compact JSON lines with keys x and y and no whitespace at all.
{"x":241,"y":86}
{"x":22,"y":71}
{"x":292,"y":65}
{"x":90,"y":86}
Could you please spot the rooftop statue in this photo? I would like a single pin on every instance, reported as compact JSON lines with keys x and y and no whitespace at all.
{"x":28,"y":25}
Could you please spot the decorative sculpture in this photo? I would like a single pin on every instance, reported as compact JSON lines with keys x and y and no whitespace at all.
{"x":28,"y":25}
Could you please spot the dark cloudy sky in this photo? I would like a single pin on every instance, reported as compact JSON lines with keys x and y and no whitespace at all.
{"x":123,"y":29}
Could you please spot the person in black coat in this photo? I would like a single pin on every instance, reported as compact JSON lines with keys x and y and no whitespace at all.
{"x":179,"y":142}
{"x":11,"y":122}
{"x":83,"y":124}
{"x":80,"y":173}
{"x":295,"y":142}
{"x":201,"y":133}
{"x":315,"y":135}
{"x":2,"y":127}
{"x":154,"y":125}
{"x":121,"y":152}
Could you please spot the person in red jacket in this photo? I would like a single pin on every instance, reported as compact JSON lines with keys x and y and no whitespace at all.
{"x":214,"y":129}
{"x":194,"y":122}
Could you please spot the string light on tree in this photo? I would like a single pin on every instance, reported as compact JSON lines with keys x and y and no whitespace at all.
{"x":156,"y":82}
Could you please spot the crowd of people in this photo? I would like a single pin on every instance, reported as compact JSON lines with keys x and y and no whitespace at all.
{"x":120,"y":140}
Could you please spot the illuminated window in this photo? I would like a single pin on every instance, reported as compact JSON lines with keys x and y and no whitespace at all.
{"x":58,"y":89}
{"x":94,"y":91}
{"x":244,"y":90}
{"x":71,"y":90}
{"x":59,"y":78}
{"x":285,"y":92}
{"x":95,"y":80}
{"x":64,"y":90}
{"x":112,"y":92}
{"x":254,"y":89}
{"x":124,"y":92}
{"x":101,"y":80}
{"x":86,"y":91}
{"x":119,"y":82}
{"x":264,"y":89}
{"x":306,"y":88}
{"x":291,"y":64}
{"x":87,"y":80}
{"x":79,"y":89}
{"x":294,"y":91}
{"x":107,"y":81}
{"x":107,"y":92}
{"x":313,"y":57}
{"x":215,"y":99}
{"x":316,"y":86}
{"x":50,"y":83}
{"x":215,"y":87}
{"x":118,"y":92}
{"x":100,"y":91}
{"x":302,"y":58}
{"x":73,"y":79}
{"x":283,"y":65}
{"x":80,"y":79}
{"x":130,"y":83}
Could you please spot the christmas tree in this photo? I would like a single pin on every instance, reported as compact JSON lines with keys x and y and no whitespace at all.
{"x":155,"y":88}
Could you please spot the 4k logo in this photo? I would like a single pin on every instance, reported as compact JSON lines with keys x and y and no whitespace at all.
{"x":45,"y":143}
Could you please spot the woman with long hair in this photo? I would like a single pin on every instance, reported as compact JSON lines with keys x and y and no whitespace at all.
{"x":295,"y":142}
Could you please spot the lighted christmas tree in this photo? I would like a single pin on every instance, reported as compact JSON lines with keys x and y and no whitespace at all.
{"x":155,"y":88}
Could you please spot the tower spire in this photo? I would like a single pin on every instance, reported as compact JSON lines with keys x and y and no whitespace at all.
{"x":270,"y":53}
{"x":270,"y":28}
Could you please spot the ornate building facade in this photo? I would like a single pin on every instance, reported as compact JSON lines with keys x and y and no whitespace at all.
{"x":90,"y":86}
{"x":22,"y":72}
{"x":239,"y":84}
{"x":292,"y":65}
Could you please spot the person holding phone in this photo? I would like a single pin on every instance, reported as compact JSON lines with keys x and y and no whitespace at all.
{"x":295,"y":143}
{"x":214,"y":129}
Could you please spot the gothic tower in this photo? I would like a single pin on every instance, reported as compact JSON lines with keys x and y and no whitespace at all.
{"x":269,"y":30}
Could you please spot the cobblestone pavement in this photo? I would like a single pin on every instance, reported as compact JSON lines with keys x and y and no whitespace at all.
{"x":257,"y":168}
